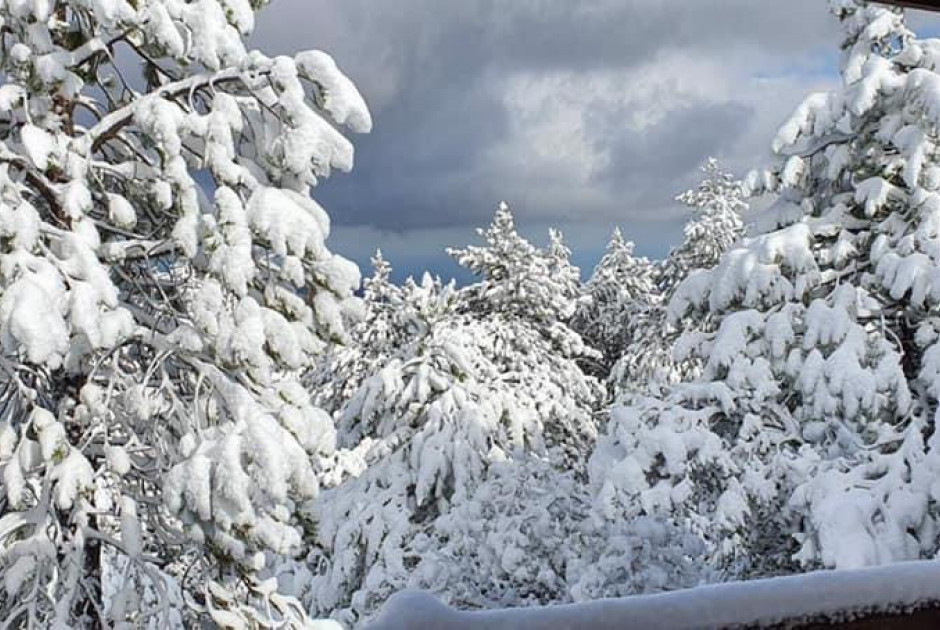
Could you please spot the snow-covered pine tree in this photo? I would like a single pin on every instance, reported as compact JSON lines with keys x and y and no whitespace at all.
{"x":478,"y":376}
{"x":646,"y":359}
{"x":517,"y":279}
{"x":163,"y":279}
{"x":421,"y":427}
{"x":526,"y":297}
{"x":815,"y":412}
{"x":621,"y":286}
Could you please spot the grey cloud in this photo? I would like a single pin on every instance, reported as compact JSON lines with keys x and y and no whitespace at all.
{"x":412,"y":170}
{"x":432,"y":71}
{"x":648,"y":161}
{"x":426,"y":36}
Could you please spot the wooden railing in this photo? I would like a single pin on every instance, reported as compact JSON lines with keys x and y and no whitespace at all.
{"x":925,"y":5}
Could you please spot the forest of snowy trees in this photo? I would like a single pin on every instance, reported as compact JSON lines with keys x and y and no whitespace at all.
{"x":208,"y":417}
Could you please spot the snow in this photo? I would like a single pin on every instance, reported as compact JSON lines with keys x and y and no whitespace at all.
{"x":118,"y":460}
{"x":340,"y":97}
{"x":874,"y":193}
{"x":31,"y":316}
{"x":818,"y":595}
{"x":121,"y":212}
{"x":38,"y":144}
{"x":291,"y":223}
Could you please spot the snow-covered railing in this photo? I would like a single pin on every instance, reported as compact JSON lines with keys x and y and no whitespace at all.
{"x":837,"y":596}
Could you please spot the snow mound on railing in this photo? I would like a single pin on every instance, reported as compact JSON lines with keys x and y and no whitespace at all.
{"x":822,"y":595}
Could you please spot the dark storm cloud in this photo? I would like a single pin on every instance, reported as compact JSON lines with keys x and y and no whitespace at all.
{"x":589,"y":113}
{"x":416,"y":164}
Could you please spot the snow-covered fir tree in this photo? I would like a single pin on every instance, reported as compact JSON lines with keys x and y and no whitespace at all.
{"x":155,"y":440}
{"x":422,"y":428}
{"x":416,"y":432}
{"x":810,"y":436}
{"x":377,"y":331}
{"x":645,"y":361}
{"x":718,"y":205}
{"x":621,"y":287}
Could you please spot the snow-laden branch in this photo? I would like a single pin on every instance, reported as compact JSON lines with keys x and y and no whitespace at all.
{"x":112,"y":123}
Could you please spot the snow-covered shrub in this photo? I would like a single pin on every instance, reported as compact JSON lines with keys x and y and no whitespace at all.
{"x":507,"y":544}
{"x":152,"y":332}
{"x":527,"y":537}
{"x":646,"y":554}
{"x":671,"y":460}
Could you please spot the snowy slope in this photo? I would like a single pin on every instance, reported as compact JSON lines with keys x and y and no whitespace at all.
{"x":822,"y":594}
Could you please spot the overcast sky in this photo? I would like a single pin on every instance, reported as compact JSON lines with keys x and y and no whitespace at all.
{"x":583,"y":114}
